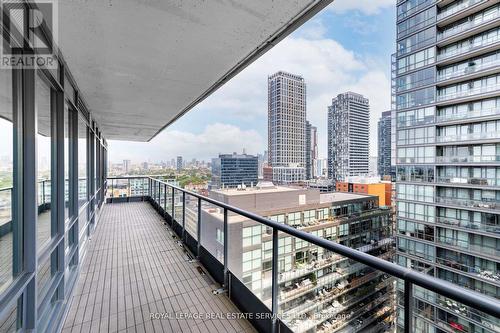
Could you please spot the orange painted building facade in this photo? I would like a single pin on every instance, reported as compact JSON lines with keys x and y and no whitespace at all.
{"x":382,"y":190}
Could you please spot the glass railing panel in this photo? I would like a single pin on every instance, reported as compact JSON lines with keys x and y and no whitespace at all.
{"x":478,"y":20}
{"x":178,"y":207}
{"x":191,"y":216}
{"x":468,"y":92}
{"x":212,"y":230}
{"x":467,"y":70}
{"x":45,"y":272}
{"x":161,"y":195}
{"x":250,"y":252}
{"x":468,"y":136}
{"x":485,"y":203}
{"x":457,"y":8}
{"x":167,"y":203}
{"x":468,"y":180}
{"x":466,"y":245}
{"x":5,"y":205}
{"x":450,"y":314}
{"x":470,"y":114}
{"x":476,"y":44}
{"x":467,"y":224}
{"x":488,"y":274}
{"x":325,"y":292}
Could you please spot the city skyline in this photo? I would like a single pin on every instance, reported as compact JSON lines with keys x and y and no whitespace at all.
{"x":334,"y":52}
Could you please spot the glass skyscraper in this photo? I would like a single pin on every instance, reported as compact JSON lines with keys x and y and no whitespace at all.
{"x":447,"y":96}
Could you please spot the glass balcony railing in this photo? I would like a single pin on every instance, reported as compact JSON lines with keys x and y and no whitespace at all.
{"x":467,"y":25}
{"x":457,"y":8}
{"x":5,"y":205}
{"x":468,"y":137}
{"x":442,"y":76}
{"x":468,"y":92}
{"x":484,"y":204}
{"x":482,"y":273}
{"x":468,"y":180}
{"x":468,"y":159}
{"x":43,"y":199}
{"x":338,"y":289}
{"x":469,"y":114}
{"x":466,"y":245}
{"x":474,"y":44}
{"x":493,"y":228}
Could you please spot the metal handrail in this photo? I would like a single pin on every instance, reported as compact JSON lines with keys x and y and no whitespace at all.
{"x":471,"y":298}
{"x":479,"y":301}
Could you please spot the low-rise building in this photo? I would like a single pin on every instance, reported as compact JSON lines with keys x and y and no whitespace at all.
{"x":318,"y":290}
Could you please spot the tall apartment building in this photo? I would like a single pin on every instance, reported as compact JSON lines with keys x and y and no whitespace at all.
{"x":233,"y":170}
{"x":311,"y":150}
{"x":447,"y":80}
{"x":384,"y":144}
{"x":319,"y":291}
{"x":180,"y":163}
{"x":287,"y":127}
{"x":348,"y":136}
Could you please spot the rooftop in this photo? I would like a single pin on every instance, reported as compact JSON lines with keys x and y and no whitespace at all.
{"x":342,"y":196}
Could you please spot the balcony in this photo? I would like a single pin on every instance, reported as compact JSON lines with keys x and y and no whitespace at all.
{"x":468,"y":159}
{"x":141,"y":254}
{"x":468,"y":72}
{"x":160,"y":195}
{"x":471,"y":47}
{"x":468,"y":93}
{"x":468,"y":115}
{"x":473,"y":226}
{"x":468,"y":137}
{"x":466,"y":26}
{"x":480,"y":204}
{"x":460,"y":8}
{"x":468,"y":181}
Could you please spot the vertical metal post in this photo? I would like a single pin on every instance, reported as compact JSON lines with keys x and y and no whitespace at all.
{"x":274,"y":281}
{"x":183,"y":216}
{"x":30,"y":207}
{"x":408,"y":298}
{"x":173,"y":205}
{"x":226,"y":277}
{"x":58,"y":183}
{"x":198,"y":229}
{"x":43,"y":192}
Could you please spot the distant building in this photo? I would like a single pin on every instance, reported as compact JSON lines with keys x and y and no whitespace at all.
{"x":323,"y":185}
{"x":287,"y":127}
{"x":368,"y":185}
{"x":311,"y":149}
{"x":126,"y":166}
{"x":321,"y":170}
{"x":179,"y":163}
{"x":145,"y":166}
{"x":348,"y":136}
{"x":233,"y":170}
{"x":384,"y":145}
{"x":267,"y":173}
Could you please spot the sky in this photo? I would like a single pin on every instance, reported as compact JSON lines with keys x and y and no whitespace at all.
{"x":345,"y":47}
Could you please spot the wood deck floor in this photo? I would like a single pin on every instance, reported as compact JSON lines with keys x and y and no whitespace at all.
{"x":133,"y":269}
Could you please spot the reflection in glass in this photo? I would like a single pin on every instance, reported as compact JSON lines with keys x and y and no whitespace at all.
{"x":8,"y":221}
{"x":82,"y":163}
{"x":42,"y":102}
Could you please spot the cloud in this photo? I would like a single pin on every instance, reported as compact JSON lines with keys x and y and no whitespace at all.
{"x":367,"y":7}
{"x":328,"y":69}
{"x":235,"y":116}
{"x":215,"y":138}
